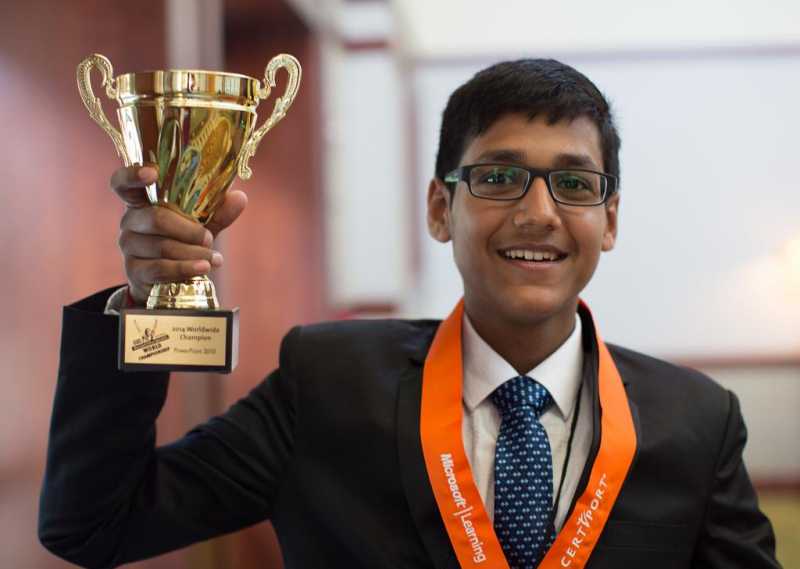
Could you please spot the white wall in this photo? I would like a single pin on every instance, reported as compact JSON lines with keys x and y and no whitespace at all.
{"x":367,"y":246}
{"x":769,"y":397}
{"x":459,"y":28}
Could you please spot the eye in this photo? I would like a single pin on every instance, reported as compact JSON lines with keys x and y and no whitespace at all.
{"x":499,"y":176}
{"x":573,"y":182}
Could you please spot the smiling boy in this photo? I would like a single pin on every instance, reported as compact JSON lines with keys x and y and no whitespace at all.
{"x":526,"y":308}
{"x":509,"y":435}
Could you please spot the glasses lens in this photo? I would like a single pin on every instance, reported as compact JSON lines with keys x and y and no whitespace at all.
{"x":578,"y":186}
{"x":497,"y":181}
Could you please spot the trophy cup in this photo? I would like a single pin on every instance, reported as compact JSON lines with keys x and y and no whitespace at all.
{"x":199,"y":127}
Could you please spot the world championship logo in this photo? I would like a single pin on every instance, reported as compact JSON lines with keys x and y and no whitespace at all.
{"x":149,"y":342}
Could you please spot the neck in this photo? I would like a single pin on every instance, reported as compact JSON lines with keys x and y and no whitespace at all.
{"x":523,"y":344}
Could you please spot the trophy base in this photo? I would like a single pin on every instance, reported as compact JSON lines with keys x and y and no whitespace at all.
{"x":178,"y":340}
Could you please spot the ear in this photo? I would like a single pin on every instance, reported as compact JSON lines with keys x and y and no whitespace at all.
{"x":439,"y":211}
{"x":610,"y":233}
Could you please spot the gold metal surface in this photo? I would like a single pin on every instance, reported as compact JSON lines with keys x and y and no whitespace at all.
{"x":195,"y":293}
{"x":199,"y":128}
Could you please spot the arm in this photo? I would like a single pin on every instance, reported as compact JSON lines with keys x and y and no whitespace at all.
{"x":735,"y":533}
{"x":110,"y":496}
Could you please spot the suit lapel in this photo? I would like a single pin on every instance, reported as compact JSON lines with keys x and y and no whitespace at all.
{"x":421,"y":501}
{"x":590,"y":380}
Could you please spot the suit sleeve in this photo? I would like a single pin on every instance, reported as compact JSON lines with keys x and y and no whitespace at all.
{"x":735,"y":533}
{"x":110,"y":496}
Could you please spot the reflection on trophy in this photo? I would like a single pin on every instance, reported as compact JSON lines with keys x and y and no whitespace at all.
{"x":199,"y":128}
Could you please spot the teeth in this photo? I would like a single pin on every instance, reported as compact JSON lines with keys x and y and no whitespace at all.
{"x":529,"y":255}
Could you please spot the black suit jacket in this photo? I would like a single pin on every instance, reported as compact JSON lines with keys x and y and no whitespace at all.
{"x":328,"y":448}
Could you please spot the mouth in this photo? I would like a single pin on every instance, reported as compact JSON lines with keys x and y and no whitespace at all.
{"x":533,"y":255}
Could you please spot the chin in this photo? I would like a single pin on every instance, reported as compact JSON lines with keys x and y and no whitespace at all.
{"x":534,"y":305}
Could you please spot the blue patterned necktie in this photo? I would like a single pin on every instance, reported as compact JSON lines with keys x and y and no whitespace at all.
{"x":523,"y":473}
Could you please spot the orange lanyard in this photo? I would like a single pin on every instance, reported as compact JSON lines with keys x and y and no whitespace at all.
{"x":460,"y":505}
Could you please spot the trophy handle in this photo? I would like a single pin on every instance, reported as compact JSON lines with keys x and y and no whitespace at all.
{"x":282,"y":104}
{"x":93,"y":103}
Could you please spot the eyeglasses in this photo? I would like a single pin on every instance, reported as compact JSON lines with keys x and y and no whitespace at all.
{"x":504,"y":182}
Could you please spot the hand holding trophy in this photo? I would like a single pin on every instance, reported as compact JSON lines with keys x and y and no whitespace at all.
{"x":199,"y":129}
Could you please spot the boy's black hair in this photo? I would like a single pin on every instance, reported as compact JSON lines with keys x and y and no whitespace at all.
{"x":536,"y":87}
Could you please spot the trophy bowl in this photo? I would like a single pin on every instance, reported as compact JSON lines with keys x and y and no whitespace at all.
{"x":199,"y":128}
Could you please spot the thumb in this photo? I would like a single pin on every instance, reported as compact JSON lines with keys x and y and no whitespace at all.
{"x":130,"y":184}
{"x":228,"y":211}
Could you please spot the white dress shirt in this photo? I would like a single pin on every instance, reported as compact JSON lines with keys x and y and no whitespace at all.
{"x":561,"y":373}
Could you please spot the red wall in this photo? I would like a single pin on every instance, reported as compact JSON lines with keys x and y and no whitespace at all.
{"x":59,"y":230}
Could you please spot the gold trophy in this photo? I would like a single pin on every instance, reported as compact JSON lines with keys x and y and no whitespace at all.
{"x":199,"y":127}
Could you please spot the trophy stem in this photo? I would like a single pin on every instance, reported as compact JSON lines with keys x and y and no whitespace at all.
{"x":197,"y":293}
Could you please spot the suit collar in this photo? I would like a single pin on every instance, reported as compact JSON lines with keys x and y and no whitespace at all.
{"x":421,"y":501}
{"x":417,"y":486}
{"x":590,"y":381}
{"x":485,"y":370}
{"x":414,"y":476}
{"x":417,"y":345}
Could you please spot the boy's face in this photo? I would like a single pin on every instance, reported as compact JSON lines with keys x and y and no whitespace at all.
{"x":514,"y":290}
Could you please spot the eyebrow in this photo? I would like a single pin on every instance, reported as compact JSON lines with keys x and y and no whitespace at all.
{"x":567,"y":160}
{"x":563,"y":160}
{"x":502,"y":155}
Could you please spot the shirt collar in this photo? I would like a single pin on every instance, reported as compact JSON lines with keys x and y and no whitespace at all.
{"x":485,"y":370}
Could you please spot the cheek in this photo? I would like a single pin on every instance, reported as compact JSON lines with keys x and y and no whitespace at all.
{"x":471,"y":236}
{"x":587,"y":231}
{"x":464,"y":247}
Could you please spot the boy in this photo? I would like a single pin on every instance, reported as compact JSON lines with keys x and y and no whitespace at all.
{"x":508,"y":435}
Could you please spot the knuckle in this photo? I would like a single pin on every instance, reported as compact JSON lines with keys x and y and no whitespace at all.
{"x":127,"y":242}
{"x":200,"y":233}
{"x":119,"y":178}
{"x":125,"y":220}
{"x":132,"y":269}
{"x":113,"y":181}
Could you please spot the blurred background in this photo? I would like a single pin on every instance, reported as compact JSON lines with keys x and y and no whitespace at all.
{"x":706,"y":271}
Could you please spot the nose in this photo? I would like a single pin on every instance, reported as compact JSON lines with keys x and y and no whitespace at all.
{"x":536,"y":207}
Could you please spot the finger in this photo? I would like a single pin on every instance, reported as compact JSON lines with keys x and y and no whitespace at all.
{"x":156,"y":247}
{"x":142,"y":273}
{"x":228,"y":211}
{"x":157,"y":220}
{"x":129,"y":183}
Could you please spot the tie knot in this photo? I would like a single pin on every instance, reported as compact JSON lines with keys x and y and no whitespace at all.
{"x":522,"y":391}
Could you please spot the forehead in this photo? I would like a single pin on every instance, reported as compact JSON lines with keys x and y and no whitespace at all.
{"x":536,"y":142}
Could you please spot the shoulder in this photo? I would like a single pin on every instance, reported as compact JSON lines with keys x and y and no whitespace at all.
{"x":361,"y":340}
{"x":668,"y":385}
{"x":368,"y":328}
{"x":373,"y":333}
{"x":684,"y":417}
{"x":637,"y":365}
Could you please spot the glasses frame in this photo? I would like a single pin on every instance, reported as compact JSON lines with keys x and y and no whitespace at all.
{"x":462,"y":173}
